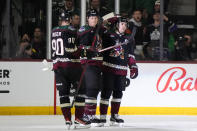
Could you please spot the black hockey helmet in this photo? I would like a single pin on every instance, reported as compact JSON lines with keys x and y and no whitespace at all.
{"x":122,"y":19}
{"x":65,"y":15}
{"x":92,"y":12}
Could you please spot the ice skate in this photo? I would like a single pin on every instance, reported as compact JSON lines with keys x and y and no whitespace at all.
{"x":83,"y":123}
{"x":103,"y":120}
{"x":68,"y":124}
{"x":95,"y":122}
{"x":115,"y":120}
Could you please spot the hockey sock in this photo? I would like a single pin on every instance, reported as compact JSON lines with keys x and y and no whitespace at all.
{"x":115,"y":106}
{"x":79,"y":106}
{"x":66,"y":113}
{"x":104,"y":106}
{"x":90,"y":106}
{"x":79,"y":111}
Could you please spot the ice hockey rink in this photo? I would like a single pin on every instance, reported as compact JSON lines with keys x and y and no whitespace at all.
{"x":132,"y":123}
{"x":20,"y":110}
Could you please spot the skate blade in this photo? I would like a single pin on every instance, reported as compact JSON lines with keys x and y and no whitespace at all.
{"x":102,"y":124}
{"x":80,"y":126}
{"x":116,"y":124}
{"x":68,"y":127}
{"x":96,"y":124}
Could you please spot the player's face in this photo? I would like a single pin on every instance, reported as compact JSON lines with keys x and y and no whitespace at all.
{"x":92,"y":21}
{"x":76,"y":20}
{"x":122,"y":27}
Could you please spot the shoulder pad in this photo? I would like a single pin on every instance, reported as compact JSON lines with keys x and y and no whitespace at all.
{"x":64,"y":27}
{"x":55,"y":28}
{"x":112,"y":35}
{"x":71,"y":28}
{"x":82,"y":29}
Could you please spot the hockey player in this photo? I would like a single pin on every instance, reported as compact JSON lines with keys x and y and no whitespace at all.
{"x":67,"y":68}
{"x":89,"y":39}
{"x":115,"y":63}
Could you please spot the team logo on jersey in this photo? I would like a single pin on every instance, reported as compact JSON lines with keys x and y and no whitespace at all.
{"x":82,"y":29}
{"x":71,"y":28}
{"x":112,"y":36}
{"x":117,"y":52}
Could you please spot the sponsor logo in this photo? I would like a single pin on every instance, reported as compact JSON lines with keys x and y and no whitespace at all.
{"x":4,"y":80}
{"x":176,"y":79}
{"x":4,"y":73}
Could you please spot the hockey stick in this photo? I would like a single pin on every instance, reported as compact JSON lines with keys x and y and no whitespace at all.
{"x":114,"y":46}
{"x":84,"y":69}
{"x":78,"y":87}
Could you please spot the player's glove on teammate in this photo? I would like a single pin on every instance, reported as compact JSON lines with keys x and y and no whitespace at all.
{"x":92,"y":52}
{"x":133,"y":67}
{"x":133,"y":71}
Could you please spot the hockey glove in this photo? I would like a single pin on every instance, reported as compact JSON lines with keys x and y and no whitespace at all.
{"x":125,"y":83}
{"x":133,"y":71}
{"x":131,"y":60}
{"x":92,"y":52}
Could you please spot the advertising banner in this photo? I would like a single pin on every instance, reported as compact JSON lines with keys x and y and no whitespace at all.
{"x":163,"y":85}
{"x":25,"y":84}
{"x":160,"y":88}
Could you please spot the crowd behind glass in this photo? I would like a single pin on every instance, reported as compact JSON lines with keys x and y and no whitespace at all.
{"x":144,"y":23}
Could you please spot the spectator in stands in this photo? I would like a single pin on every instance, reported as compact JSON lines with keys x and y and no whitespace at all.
{"x":25,"y":50}
{"x":146,"y":18}
{"x":26,"y":37}
{"x":24,"y":47}
{"x":69,"y":5}
{"x":137,"y":29}
{"x":194,"y":46}
{"x":156,"y":8}
{"x":38,"y":44}
{"x":184,"y":48}
{"x":96,"y":4}
{"x":157,"y":5}
{"x":152,"y":37}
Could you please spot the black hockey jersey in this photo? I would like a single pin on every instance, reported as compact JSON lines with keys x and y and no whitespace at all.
{"x":116,"y":60}
{"x":64,"y":47}
{"x":89,"y":42}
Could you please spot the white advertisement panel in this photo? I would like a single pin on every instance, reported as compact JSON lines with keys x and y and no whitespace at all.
{"x":163,"y":85}
{"x":25,"y":84}
{"x":158,"y":85}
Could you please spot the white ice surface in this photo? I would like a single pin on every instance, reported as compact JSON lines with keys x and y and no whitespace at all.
{"x":132,"y":123}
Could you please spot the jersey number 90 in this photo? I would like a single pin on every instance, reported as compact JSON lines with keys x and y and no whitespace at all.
{"x":57,"y":47}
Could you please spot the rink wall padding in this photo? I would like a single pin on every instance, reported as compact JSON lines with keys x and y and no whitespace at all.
{"x":123,"y":111}
{"x":162,"y":88}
